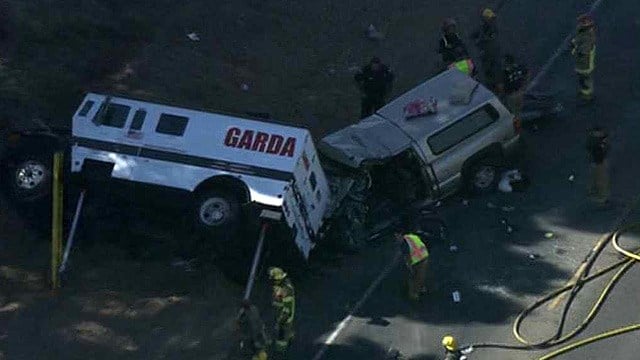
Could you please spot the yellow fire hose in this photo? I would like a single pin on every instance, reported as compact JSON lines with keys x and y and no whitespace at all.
{"x":575,"y":285}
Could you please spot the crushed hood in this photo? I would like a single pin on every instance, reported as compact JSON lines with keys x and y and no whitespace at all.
{"x":373,"y":138}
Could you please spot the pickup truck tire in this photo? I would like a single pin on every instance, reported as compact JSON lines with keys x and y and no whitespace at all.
{"x":216,"y":211}
{"x":482,"y":177}
{"x":29,"y":174}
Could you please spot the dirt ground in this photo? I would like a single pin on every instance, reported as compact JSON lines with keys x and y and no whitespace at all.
{"x":297,"y":61}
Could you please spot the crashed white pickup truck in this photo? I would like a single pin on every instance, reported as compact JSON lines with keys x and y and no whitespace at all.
{"x":223,"y":164}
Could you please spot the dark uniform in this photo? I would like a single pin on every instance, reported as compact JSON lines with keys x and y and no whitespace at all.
{"x":375,"y":81}
{"x":253,"y":331}
{"x":452,"y":48}
{"x":487,"y":41}
{"x":515,"y":79}
{"x":598,"y":148}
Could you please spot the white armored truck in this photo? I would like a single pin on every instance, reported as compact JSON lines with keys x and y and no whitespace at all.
{"x":219,"y":161}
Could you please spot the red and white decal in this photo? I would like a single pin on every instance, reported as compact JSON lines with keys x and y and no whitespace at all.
{"x":260,"y":141}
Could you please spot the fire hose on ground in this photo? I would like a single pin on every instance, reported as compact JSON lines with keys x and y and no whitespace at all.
{"x":580,"y":278}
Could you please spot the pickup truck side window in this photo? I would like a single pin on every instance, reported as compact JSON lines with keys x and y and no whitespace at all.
{"x":116,"y":115}
{"x":138,"y":120}
{"x":462,"y":129}
{"x":172,"y":124}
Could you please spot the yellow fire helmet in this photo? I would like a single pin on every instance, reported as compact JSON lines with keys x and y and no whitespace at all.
{"x":449,"y":343}
{"x":488,"y":13}
{"x":275,"y":273}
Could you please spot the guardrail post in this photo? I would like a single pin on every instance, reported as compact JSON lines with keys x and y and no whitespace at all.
{"x":56,"y":220}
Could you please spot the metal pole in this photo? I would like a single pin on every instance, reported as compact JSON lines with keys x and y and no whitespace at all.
{"x":256,"y":260}
{"x":56,"y":219}
{"x":72,"y":232}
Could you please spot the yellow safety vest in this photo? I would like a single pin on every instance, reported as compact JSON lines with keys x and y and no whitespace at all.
{"x":417,"y":249}
{"x":466,"y":66}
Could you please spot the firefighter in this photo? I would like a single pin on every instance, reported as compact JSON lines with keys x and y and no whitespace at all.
{"x":598,"y":148}
{"x":515,"y":79}
{"x":417,"y":256}
{"x":486,"y":38}
{"x":375,"y":81}
{"x":451,"y":351}
{"x":583,"y":48}
{"x":284,"y":304}
{"x":451,"y":45}
{"x":253,"y":330}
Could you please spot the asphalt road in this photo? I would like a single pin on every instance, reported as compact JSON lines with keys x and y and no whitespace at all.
{"x":493,"y":270}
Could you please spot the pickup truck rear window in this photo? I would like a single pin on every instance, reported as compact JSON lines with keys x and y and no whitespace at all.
{"x":462,"y":129}
{"x":172,"y":124}
{"x":116,"y":115}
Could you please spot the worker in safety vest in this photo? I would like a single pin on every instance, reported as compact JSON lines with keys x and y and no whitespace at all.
{"x":416,"y":258}
{"x":451,"y":348}
{"x":583,"y":48}
{"x":253,"y":330}
{"x":463,"y":63}
{"x":285,"y":304}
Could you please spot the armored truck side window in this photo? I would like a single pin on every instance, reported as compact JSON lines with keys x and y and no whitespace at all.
{"x":138,"y":120}
{"x":462,"y":129}
{"x":172,"y":124}
{"x":116,"y":115}
{"x":86,"y":108}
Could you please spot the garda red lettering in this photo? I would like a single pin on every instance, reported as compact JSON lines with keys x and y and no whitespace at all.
{"x":288,"y":147}
{"x":246,"y":140}
{"x":275,"y":144}
{"x":232,"y":137}
{"x":260,"y":141}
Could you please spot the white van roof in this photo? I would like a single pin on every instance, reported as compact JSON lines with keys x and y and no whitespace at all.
{"x":229,"y":138}
{"x":387,"y":132}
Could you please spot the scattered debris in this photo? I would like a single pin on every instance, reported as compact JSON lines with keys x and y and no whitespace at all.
{"x":571,"y":178}
{"x":491,"y":205}
{"x":512,"y":180}
{"x":465,"y":202}
{"x":533,"y":256}
{"x":508,"y":228}
{"x":507,"y":208}
{"x":549,"y":235}
{"x":373,"y":34}
{"x":187,"y":265}
{"x":353,"y":69}
{"x":193,"y":36}
{"x":331,"y":71}
{"x":456,"y":296}
{"x":453,"y":248}
{"x":420,"y":107}
{"x":438,"y":204}
{"x":244,"y":87}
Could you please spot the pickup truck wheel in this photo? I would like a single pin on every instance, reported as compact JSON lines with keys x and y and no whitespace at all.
{"x":29,"y":175}
{"x":216,"y":211}
{"x":482,"y":178}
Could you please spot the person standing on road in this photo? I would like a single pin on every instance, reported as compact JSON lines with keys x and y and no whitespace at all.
{"x":375,"y":81}
{"x":285,"y":304}
{"x":417,"y":255}
{"x":515,"y":79}
{"x":253,"y":330}
{"x":583,"y":48}
{"x":451,"y":46}
{"x":598,"y":148}
{"x":486,"y":38}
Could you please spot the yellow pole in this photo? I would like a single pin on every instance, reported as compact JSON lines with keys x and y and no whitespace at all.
{"x":56,"y":220}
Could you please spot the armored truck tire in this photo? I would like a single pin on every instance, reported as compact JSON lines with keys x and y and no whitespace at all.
{"x":28,"y":173}
{"x":216,"y":212}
